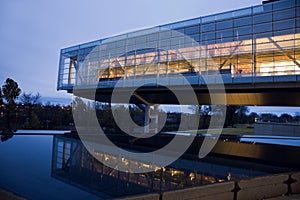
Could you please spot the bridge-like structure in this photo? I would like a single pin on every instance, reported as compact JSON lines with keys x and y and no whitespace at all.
{"x":255,"y":51}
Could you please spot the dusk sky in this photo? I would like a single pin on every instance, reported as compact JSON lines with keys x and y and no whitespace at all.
{"x":33,"y":32}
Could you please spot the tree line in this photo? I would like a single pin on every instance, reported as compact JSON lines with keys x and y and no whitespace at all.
{"x":29,"y":113}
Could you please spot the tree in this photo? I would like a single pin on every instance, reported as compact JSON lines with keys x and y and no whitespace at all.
{"x":1,"y":108}
{"x":30,"y":102}
{"x":252,"y":117}
{"x":285,"y":118}
{"x":236,"y":115}
{"x":30,"y":99}
{"x":230,"y":119}
{"x":241,"y":112}
{"x":1,"y":97}
{"x":10,"y":92}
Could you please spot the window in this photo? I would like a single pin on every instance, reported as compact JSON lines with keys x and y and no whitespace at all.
{"x":285,"y":14}
{"x":242,"y":21}
{"x":262,"y":18}
{"x":284,"y":32}
{"x":142,"y":39}
{"x":131,"y":41}
{"x":224,"y":33}
{"x":224,"y":25}
{"x":111,"y":45}
{"x":175,"y":34}
{"x":224,"y":16}
{"x":262,"y":28}
{"x":165,"y":35}
{"x":264,"y":35}
{"x":121,"y":43}
{"x":208,"y":36}
{"x":164,"y":43}
{"x":242,"y":12}
{"x":243,"y":37}
{"x":192,"y":22}
{"x":152,"y":37}
{"x":196,"y":37}
{"x":243,"y":31}
{"x":287,"y":24}
{"x":262,"y":8}
{"x":176,"y":41}
{"x":283,"y":4}
{"x":222,"y":40}
{"x":177,"y":25}
{"x":192,"y":30}
{"x":208,"y":27}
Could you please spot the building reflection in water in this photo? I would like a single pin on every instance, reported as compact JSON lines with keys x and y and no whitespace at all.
{"x":73,"y":164}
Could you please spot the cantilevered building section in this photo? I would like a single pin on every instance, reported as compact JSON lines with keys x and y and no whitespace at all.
{"x":255,"y":49}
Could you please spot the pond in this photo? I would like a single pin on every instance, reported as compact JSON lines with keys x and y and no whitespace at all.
{"x":50,"y":165}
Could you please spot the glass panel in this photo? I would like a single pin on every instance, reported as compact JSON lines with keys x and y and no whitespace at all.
{"x":192,"y":30}
{"x":258,"y":9}
{"x":208,"y":36}
{"x":195,"y":37}
{"x":208,"y":19}
{"x":243,"y":37}
{"x":224,"y":33}
{"x":298,"y":23}
{"x":262,"y":18}
{"x":165,"y":35}
{"x":143,"y":32}
{"x":262,"y":28}
{"x":242,"y":12}
{"x":142,"y":39}
{"x":243,"y":31}
{"x":285,"y":14}
{"x":209,"y":42}
{"x":283,"y":4}
{"x":208,"y":27}
{"x":192,"y":22}
{"x":164,"y":43}
{"x":176,"y":41}
{"x":263,"y":35}
{"x":224,"y":16}
{"x":224,"y":25}
{"x":177,"y":25}
{"x":228,"y":39}
{"x":287,"y":24}
{"x":152,"y":37}
{"x":242,"y":21}
{"x":90,"y":44}
{"x":121,"y":43}
{"x":181,"y":30}
{"x":131,"y":41}
{"x":284,"y":32}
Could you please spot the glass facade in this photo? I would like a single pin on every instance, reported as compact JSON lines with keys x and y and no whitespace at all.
{"x":258,"y":41}
{"x":72,"y":163}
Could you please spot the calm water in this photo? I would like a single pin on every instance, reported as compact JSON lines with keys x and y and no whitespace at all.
{"x":25,"y":169}
{"x":58,"y":167}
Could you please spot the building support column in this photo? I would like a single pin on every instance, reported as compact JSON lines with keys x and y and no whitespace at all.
{"x":150,"y":116}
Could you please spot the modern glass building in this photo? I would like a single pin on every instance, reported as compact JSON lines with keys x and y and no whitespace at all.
{"x":243,"y":45}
